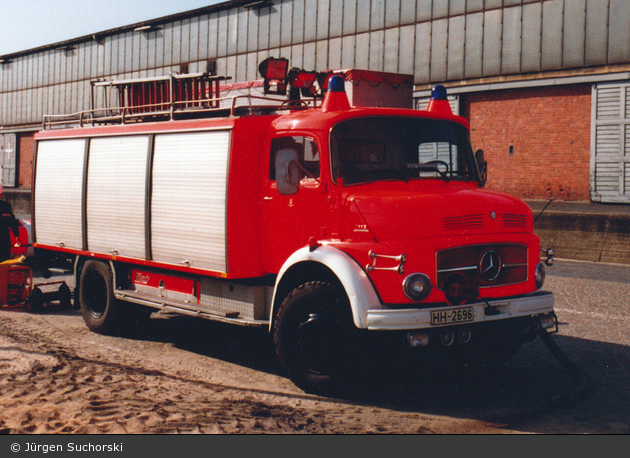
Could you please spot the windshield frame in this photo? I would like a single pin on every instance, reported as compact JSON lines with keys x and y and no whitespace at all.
{"x":385,"y":140}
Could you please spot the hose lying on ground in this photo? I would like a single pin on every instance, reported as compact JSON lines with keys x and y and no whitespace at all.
{"x":580,"y":390}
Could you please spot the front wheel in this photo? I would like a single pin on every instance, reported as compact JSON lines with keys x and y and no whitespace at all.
{"x":313,"y":335}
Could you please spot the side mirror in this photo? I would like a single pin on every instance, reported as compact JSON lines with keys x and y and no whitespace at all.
{"x":482,"y":165}
{"x":287,"y":172}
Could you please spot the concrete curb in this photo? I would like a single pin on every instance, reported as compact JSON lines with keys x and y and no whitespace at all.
{"x":584,"y":231}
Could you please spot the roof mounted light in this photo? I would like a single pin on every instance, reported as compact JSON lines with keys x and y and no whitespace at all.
{"x":278,"y":78}
{"x":336,"y":98}
{"x":336,"y":84}
{"x":438,"y":92}
{"x":300,"y":79}
{"x":274,"y":71}
{"x":439,"y":103}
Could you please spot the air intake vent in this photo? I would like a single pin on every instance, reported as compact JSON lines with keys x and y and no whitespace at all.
{"x":452,"y":223}
{"x":513,"y":220}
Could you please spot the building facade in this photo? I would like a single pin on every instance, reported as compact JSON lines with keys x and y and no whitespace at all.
{"x":545,"y":84}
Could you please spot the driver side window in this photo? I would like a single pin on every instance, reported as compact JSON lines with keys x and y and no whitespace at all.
{"x":308,"y":152}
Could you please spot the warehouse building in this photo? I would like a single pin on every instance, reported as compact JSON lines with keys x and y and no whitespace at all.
{"x":545,"y":84}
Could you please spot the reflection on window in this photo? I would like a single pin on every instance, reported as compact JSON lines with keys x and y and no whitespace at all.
{"x":362,"y":152}
{"x":307,"y":151}
{"x":399,"y":148}
{"x":437,"y":151}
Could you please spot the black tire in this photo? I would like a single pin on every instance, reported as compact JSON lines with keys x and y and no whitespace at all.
{"x":99,"y":307}
{"x":35,"y":301}
{"x":313,"y":335}
{"x":65,"y":296}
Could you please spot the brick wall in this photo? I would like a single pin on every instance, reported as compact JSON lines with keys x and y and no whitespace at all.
{"x":549,"y":130}
{"x":25,"y":166}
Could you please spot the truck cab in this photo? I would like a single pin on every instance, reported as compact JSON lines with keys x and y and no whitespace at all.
{"x":399,"y":220}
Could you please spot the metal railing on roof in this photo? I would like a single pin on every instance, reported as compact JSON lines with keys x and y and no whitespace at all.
{"x":166,"y":98}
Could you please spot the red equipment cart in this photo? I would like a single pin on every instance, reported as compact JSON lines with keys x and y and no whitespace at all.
{"x":16,"y":282}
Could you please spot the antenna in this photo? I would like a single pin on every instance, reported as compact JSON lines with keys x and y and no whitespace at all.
{"x":543,"y":210}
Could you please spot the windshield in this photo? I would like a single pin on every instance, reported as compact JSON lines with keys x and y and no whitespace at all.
{"x":389,"y":148}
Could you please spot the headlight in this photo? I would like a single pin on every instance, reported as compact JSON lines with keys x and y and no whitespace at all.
{"x":540,"y":275}
{"x":417,"y":286}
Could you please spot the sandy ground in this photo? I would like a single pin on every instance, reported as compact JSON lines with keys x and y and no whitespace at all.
{"x":57,"y":377}
{"x":185,"y":375}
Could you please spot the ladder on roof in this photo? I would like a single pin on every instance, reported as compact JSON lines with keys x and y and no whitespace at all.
{"x":141,"y":99}
{"x":164,"y":98}
{"x":165,"y":94}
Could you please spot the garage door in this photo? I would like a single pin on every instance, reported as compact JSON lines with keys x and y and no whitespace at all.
{"x":610,"y":143}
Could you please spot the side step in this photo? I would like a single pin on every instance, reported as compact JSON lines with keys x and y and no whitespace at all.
{"x":187,"y":308}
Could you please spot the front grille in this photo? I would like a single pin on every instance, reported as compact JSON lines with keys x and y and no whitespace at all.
{"x":513,"y":220}
{"x":478,"y":264}
{"x":474,"y":221}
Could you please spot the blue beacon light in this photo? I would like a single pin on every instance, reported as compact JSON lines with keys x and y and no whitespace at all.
{"x":336,"y":84}
{"x":438,"y":92}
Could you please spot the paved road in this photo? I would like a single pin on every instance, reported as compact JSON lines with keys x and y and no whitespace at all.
{"x":593,"y":308}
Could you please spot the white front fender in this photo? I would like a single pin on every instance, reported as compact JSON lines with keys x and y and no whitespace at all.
{"x":353,"y":278}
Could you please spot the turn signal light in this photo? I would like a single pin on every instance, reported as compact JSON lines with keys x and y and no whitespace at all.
{"x":540,"y":275}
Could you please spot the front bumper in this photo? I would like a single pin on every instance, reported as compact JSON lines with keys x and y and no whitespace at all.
{"x":500,"y":309}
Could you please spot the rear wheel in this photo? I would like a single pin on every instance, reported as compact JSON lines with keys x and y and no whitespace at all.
{"x":99,"y":307}
{"x":313,"y":335}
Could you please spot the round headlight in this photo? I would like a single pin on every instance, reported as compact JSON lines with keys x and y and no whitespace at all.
{"x":540,"y":275}
{"x":417,"y":287}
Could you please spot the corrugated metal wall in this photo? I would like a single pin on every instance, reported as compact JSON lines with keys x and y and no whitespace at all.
{"x":435,"y":40}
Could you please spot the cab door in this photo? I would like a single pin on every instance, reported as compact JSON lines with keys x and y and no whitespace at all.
{"x":290,"y":218}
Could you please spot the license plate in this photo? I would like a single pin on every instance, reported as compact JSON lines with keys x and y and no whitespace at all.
{"x":460,"y":315}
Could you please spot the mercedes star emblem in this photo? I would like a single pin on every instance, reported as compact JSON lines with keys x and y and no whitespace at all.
{"x":490,"y":265}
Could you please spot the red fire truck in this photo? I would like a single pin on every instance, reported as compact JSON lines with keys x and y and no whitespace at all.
{"x":341,"y":228}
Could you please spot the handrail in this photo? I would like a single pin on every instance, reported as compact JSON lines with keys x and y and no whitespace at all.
{"x":177,"y":109}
